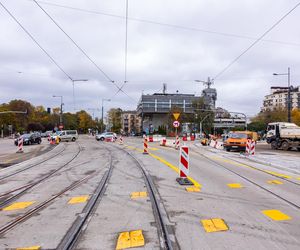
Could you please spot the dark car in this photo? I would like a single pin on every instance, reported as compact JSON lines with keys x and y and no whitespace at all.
{"x":29,"y":139}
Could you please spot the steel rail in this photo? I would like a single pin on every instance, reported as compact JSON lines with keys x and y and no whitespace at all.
{"x":250,"y":181}
{"x":33,"y":165}
{"x":71,"y":237}
{"x":26,"y":188}
{"x":155,"y":201}
{"x":42,"y":205}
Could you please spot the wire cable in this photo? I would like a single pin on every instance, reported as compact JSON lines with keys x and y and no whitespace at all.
{"x":257,"y":40}
{"x":35,"y":41}
{"x":167,"y":24}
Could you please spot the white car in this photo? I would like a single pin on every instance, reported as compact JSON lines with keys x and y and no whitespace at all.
{"x":105,"y":135}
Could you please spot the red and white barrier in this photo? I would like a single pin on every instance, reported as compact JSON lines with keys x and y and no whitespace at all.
{"x":184,"y":162}
{"x":250,"y":147}
{"x":121,"y":140}
{"x":145,"y":146}
{"x":163,"y":142}
{"x":177,"y":142}
{"x":20,"y":145}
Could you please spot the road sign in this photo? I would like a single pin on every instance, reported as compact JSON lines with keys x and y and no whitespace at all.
{"x":176,"y":124}
{"x":176,"y":116}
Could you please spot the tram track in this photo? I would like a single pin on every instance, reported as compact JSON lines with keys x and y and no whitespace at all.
{"x":29,"y":186}
{"x":74,"y":234}
{"x":216,"y":163}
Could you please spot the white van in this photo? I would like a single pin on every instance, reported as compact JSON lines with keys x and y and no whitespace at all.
{"x":68,"y":135}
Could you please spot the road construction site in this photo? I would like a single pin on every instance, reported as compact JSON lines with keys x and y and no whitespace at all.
{"x":91,"y":194}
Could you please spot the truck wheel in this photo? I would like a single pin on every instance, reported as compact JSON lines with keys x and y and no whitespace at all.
{"x":73,"y":139}
{"x":285,"y":145}
{"x":274,"y":145}
{"x":228,"y":149}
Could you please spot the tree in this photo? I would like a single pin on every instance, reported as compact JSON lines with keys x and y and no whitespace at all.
{"x":84,"y":120}
{"x":296,"y":116}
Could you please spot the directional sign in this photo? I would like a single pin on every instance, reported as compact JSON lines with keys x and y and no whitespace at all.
{"x":176,"y":116}
{"x":176,"y":124}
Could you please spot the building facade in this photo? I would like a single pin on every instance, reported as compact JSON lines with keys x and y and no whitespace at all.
{"x":131,"y":123}
{"x":278,"y":99}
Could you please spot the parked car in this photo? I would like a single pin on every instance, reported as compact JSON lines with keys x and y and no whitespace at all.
{"x":68,"y":135}
{"x":29,"y":139}
{"x":105,"y":135}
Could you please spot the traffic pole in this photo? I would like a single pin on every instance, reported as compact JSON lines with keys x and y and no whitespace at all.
{"x":177,"y":142}
{"x":145,"y":146}
{"x":20,"y":145}
{"x":184,"y":162}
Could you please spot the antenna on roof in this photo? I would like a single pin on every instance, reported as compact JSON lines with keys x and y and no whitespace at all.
{"x":164,"y":88}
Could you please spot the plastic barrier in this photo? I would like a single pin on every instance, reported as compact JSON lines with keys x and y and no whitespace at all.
{"x":20,"y":145}
{"x":250,"y":147}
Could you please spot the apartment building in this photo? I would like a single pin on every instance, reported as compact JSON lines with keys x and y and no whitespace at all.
{"x":131,"y":122}
{"x":278,"y":99}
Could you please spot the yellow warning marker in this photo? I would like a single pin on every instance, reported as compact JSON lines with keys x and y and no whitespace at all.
{"x":18,"y":205}
{"x":193,"y":189}
{"x":29,"y":248}
{"x":214,"y":225}
{"x":276,"y":215}
{"x":153,"y":149}
{"x":78,"y":199}
{"x":234,"y":185}
{"x":276,"y":182}
{"x":130,"y":239}
{"x":135,"y":195}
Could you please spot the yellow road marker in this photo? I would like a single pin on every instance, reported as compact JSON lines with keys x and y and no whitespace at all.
{"x":192,"y":189}
{"x":130,"y":239}
{"x":276,"y":215}
{"x":135,"y":195}
{"x":235,"y":185}
{"x":298,"y":178}
{"x":18,"y":205}
{"x":153,"y":149}
{"x":78,"y":199}
{"x":29,"y":248}
{"x":214,"y":225}
{"x":275,"y":182}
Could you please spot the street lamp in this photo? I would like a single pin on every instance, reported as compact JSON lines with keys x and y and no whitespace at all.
{"x":61,"y":110}
{"x":73,"y":82}
{"x":289,"y":92}
{"x":108,"y":100}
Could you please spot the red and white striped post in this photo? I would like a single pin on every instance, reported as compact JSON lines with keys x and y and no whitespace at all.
{"x":145,"y":146}
{"x":250,"y":147}
{"x":20,"y":145}
{"x":121,"y":140}
{"x":177,"y":142}
{"x":184,"y":161}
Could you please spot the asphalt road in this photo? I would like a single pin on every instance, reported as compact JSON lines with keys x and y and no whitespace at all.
{"x":236,"y":204}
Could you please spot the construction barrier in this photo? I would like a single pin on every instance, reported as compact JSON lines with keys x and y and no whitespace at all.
{"x":177,"y":142}
{"x":150,"y":139}
{"x":145,"y":146}
{"x":184,"y":160}
{"x":163,"y":142}
{"x":188,"y":138}
{"x":121,"y":140}
{"x":250,"y":147}
{"x":20,"y":145}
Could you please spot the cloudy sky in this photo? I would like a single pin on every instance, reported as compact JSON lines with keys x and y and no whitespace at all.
{"x":170,"y":41}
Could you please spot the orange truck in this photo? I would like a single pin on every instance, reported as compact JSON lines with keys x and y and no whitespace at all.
{"x":237,"y":140}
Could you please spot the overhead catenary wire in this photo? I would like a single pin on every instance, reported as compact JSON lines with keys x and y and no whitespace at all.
{"x":36,"y":42}
{"x":84,"y":53}
{"x":175,"y":26}
{"x":256,"y":41}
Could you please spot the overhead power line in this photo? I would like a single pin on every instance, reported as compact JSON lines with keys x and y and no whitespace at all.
{"x":175,"y":26}
{"x":255,"y":42}
{"x":84,"y":53}
{"x":35,"y":41}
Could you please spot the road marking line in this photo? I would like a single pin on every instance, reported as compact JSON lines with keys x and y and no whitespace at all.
{"x":192,"y":189}
{"x":154,"y":149}
{"x":234,"y":185}
{"x":135,"y":195}
{"x":298,"y":178}
{"x":276,"y":215}
{"x":18,"y":205}
{"x":29,"y":248}
{"x":276,"y":182}
{"x":214,"y":225}
{"x":78,"y":199}
{"x":130,"y":239}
